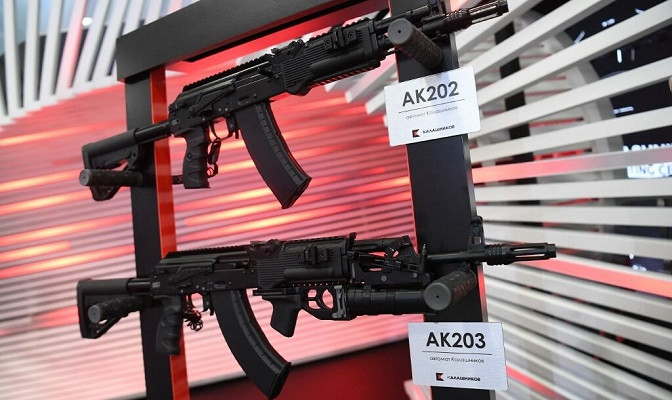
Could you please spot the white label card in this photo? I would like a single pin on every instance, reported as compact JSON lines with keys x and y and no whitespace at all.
{"x":458,"y":354}
{"x":432,"y":107}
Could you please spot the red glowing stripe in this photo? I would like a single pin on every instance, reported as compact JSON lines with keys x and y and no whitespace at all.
{"x":304,"y":132}
{"x":219,"y":200}
{"x":233,"y":213}
{"x":646,"y":282}
{"x":38,"y":180}
{"x":34,"y":251}
{"x":392,"y":198}
{"x":43,"y":202}
{"x":57,"y":231}
{"x":552,"y":122}
{"x":58,"y":317}
{"x":313,"y":105}
{"x":267,"y":223}
{"x":50,"y":319}
{"x":57,"y":133}
{"x":64,"y":262}
{"x":301,"y":155}
{"x":350,"y":110}
{"x":382,"y":185}
{"x":532,"y":383}
{"x":236,"y":166}
{"x":380,"y":139}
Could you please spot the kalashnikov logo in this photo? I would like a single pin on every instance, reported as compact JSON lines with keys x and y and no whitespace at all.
{"x":439,"y":376}
{"x":415,"y":132}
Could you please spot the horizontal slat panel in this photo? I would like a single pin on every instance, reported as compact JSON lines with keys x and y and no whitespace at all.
{"x":565,"y":383}
{"x":595,"y":215}
{"x":627,"y":81}
{"x":547,"y":26}
{"x":607,"y":273}
{"x":572,"y":165}
{"x":590,"y":292}
{"x":601,"y":347}
{"x":625,"y":32}
{"x":530,"y":377}
{"x":616,"y":188}
{"x":594,"y":374}
{"x":589,"y":241}
{"x":598,"y":130}
{"x":469,"y":38}
{"x":582,"y":314}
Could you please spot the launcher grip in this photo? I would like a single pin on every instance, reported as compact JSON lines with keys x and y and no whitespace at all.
{"x":275,"y":163}
{"x":261,"y":363}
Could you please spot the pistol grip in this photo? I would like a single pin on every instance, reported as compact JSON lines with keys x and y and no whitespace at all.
{"x":261,"y":363}
{"x":275,"y":163}
{"x":285,"y":312}
{"x":170,"y":326}
{"x":195,"y":163}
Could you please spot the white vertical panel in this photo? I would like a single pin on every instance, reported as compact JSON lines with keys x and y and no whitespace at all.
{"x":51,"y":51}
{"x":71,"y":49}
{"x":106,"y":53}
{"x":91,"y":45}
{"x":174,"y":5}
{"x":4,"y":119}
{"x":153,"y":10}
{"x":31,"y":57}
{"x":12,"y":69}
{"x":133,"y":15}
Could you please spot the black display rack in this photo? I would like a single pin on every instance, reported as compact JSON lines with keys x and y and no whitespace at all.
{"x":440,"y":170}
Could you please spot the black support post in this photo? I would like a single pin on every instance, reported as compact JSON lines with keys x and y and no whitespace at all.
{"x":443,"y":201}
{"x":160,"y":377}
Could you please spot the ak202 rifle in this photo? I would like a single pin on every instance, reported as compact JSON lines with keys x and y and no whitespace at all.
{"x":242,"y":95}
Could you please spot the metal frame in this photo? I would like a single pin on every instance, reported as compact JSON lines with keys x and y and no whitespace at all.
{"x":443,"y":201}
{"x":438,"y":170}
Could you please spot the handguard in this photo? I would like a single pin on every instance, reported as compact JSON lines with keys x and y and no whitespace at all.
{"x":275,"y":163}
{"x":255,"y":355}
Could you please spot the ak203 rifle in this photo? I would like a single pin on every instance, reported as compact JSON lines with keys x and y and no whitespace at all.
{"x":333,"y":278}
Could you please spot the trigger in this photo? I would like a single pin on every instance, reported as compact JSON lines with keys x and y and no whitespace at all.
{"x":213,"y":155}
{"x":231,"y":125}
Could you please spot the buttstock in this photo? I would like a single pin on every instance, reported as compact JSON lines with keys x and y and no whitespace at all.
{"x":269,"y":151}
{"x":112,"y":301}
{"x":261,"y":363}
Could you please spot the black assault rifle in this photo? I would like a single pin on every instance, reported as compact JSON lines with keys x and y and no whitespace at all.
{"x":242,"y":96}
{"x":335,"y":278}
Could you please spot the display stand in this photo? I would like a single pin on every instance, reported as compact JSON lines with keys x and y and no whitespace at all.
{"x":440,"y":171}
{"x":443,"y":201}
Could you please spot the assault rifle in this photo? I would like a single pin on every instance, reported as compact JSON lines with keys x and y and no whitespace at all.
{"x":335,"y":278}
{"x":242,"y":95}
